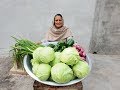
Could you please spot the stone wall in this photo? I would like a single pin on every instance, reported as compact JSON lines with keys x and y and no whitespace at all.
{"x":106,"y":28}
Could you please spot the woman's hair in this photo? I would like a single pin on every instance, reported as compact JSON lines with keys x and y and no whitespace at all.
{"x":55,"y":16}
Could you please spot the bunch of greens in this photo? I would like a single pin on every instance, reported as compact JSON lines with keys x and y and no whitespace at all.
{"x":61,"y":45}
{"x":21,"y":48}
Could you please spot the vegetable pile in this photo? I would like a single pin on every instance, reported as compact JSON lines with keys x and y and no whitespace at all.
{"x":60,"y":63}
{"x":60,"y":66}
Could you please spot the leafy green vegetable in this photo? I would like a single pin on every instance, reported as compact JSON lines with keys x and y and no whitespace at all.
{"x":36,"y":53}
{"x":51,"y":45}
{"x":61,"y":73}
{"x":35,"y":61}
{"x":44,"y":54}
{"x":35,"y":68}
{"x":70,"y":56}
{"x":57,"y":48}
{"x":43,"y":71}
{"x":81,"y":69}
{"x":70,"y":42}
{"x":56,"y":60}
{"x":61,"y":45}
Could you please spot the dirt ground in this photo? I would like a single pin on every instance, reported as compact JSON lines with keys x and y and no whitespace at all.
{"x":105,"y":75}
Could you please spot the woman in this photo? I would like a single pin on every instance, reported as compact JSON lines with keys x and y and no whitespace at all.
{"x":58,"y":31}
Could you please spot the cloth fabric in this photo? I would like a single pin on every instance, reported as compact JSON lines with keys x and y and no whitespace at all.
{"x":58,"y":34}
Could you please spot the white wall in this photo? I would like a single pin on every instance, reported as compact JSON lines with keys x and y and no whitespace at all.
{"x":32,"y":18}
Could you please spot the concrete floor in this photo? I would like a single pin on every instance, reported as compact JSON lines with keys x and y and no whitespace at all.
{"x":105,"y":75}
{"x":17,"y":82}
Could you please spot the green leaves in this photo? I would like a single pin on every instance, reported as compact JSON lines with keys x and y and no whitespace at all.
{"x":21,"y":48}
{"x":61,"y":45}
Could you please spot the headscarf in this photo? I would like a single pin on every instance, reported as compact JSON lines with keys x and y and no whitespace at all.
{"x":55,"y":34}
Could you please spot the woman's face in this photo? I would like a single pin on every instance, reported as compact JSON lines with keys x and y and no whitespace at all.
{"x":58,"y":21}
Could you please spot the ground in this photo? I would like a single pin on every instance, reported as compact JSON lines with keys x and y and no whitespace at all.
{"x":105,"y":75}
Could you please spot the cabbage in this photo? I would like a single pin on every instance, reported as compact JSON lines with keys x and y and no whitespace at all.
{"x":70,"y":56}
{"x":35,"y":68}
{"x":56,"y":60}
{"x":61,"y":73}
{"x":43,"y":71}
{"x":35,"y":61}
{"x":44,"y":54}
{"x":81,"y":69}
{"x":36,"y":53}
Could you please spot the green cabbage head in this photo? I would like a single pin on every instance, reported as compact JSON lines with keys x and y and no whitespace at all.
{"x":43,"y":71}
{"x":35,"y":68}
{"x":36,"y":55}
{"x":81,"y":69}
{"x":35,"y":61}
{"x":56,"y":60}
{"x":61,"y":73}
{"x":70,"y":56}
{"x":44,"y":54}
